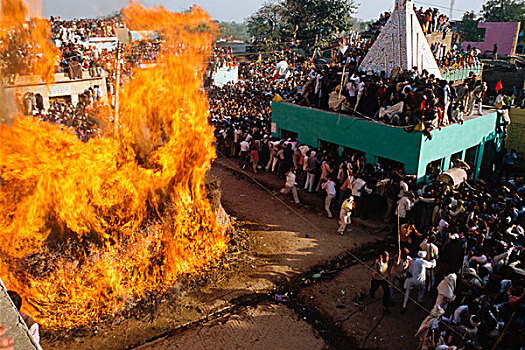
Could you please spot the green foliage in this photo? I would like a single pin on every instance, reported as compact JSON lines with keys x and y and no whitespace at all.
{"x":504,"y":11}
{"x":321,"y":20}
{"x":233,"y":30}
{"x":469,"y":30}
{"x":266,"y":25}
{"x":308,"y":23}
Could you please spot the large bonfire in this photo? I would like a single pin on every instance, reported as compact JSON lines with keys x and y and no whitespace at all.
{"x":87,"y":227}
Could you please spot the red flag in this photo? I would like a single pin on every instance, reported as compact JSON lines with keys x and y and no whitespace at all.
{"x":499,"y":86}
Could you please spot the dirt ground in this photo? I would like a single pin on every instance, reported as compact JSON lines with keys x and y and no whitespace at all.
{"x":344,"y":301}
{"x":288,"y":241}
{"x":340,"y":301}
{"x":265,"y":326}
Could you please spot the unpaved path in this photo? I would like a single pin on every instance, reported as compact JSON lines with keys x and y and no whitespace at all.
{"x":265,"y":326}
{"x":290,"y":241}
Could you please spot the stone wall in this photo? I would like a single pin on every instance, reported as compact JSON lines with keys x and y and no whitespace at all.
{"x":16,"y":327}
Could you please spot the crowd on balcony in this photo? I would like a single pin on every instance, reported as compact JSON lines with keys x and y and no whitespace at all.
{"x":78,"y":117}
{"x":432,"y":21}
{"x":454,"y":59}
{"x":76,"y":30}
{"x":222,"y":57}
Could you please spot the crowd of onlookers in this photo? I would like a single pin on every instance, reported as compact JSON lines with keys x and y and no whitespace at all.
{"x":77,"y":53}
{"x":462,"y":246}
{"x":432,"y":21}
{"x":454,"y":59}
{"x":76,"y":30}
{"x":74,"y":116}
{"x":18,"y":56}
{"x":78,"y":62}
{"x":411,"y":99}
{"x":222,"y":57}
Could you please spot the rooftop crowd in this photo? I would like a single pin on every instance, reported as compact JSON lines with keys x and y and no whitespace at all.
{"x":78,"y":60}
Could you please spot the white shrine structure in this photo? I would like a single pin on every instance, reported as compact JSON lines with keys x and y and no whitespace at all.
{"x":401,"y":44}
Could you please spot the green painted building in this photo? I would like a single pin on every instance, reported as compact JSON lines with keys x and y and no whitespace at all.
{"x":474,"y":141}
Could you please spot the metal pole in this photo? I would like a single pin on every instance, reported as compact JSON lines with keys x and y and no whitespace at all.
{"x":117,"y":88}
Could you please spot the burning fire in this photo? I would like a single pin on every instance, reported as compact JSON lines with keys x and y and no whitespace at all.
{"x":86,"y":228}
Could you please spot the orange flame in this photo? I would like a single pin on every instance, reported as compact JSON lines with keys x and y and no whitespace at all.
{"x":77,"y":229}
{"x":41,"y":55}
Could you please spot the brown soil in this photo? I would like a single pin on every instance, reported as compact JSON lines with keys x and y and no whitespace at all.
{"x":265,"y":326}
{"x":286,"y":241}
{"x":344,"y":302}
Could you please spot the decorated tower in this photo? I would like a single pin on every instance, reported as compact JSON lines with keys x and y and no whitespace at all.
{"x":401,"y":44}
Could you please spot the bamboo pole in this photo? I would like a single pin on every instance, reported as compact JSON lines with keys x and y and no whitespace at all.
{"x":504,"y":331}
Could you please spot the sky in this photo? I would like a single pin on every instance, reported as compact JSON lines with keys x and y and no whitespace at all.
{"x":232,"y":10}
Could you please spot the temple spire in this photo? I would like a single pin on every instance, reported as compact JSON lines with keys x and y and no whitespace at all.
{"x":401,"y":44}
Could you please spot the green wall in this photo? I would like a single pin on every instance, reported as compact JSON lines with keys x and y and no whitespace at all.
{"x":380,"y":140}
{"x":458,"y":137}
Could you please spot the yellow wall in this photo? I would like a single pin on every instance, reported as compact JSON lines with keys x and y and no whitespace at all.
{"x":516,"y":134}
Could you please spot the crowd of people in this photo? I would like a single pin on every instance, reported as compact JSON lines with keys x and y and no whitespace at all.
{"x":76,"y":116}
{"x":465,"y":246}
{"x":462,"y":245}
{"x":222,"y":57}
{"x":80,"y":61}
{"x":76,"y":30}
{"x":432,"y":21}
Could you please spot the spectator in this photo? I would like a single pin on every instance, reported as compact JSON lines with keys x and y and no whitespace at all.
{"x":290,"y":185}
{"x":380,"y":279}
{"x":28,"y":320}
{"x":345,"y":215}
{"x":329,"y":186}
{"x":417,"y":273}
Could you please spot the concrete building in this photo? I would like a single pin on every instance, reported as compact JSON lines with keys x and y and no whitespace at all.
{"x":62,"y":88}
{"x":475,"y":141}
{"x":505,"y":34}
{"x":516,"y":135}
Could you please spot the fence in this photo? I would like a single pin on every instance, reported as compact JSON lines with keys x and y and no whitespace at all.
{"x":463,"y":72}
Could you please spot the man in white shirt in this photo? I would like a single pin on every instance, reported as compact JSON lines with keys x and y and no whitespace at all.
{"x":404,"y":205}
{"x":403,"y":188}
{"x":358,"y":186}
{"x":360,"y":92}
{"x":290,"y":185}
{"x":432,"y":253}
{"x":329,"y":186}
{"x":245,"y":148}
{"x":417,"y":270}
{"x":237,"y":133}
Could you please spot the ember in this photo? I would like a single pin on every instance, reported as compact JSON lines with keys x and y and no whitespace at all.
{"x":87,"y":227}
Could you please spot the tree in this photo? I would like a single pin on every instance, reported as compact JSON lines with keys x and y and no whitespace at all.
{"x":316,"y":22}
{"x":308,"y":23}
{"x":469,"y":30}
{"x":265,"y":25}
{"x":233,"y":30}
{"x":504,"y":11}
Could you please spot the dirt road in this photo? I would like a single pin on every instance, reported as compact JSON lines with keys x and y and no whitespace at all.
{"x":290,"y":241}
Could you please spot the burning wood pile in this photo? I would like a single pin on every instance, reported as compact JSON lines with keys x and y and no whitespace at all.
{"x":88,"y":228}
